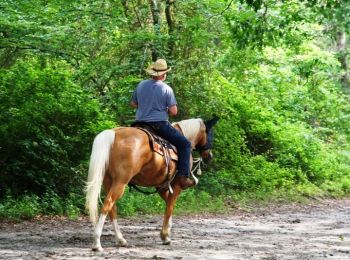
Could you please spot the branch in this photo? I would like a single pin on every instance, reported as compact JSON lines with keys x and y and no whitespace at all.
{"x":223,"y":11}
{"x":137,"y":14}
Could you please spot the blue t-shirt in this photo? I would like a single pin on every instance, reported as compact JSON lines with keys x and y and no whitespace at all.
{"x":153,"y":98}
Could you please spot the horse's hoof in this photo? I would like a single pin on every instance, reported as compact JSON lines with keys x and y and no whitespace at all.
{"x":97,"y":249}
{"x":167,"y":241}
{"x":122,"y":242}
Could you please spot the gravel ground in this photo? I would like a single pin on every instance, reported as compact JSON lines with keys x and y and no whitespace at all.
{"x":318,"y":230}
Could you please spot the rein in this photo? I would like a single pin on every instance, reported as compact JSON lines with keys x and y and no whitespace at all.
{"x":141,"y":191}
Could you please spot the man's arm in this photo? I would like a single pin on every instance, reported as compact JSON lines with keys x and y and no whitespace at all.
{"x":172,"y":110}
{"x":133,"y":104}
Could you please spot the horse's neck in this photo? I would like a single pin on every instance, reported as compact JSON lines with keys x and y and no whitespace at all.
{"x":190,"y":129}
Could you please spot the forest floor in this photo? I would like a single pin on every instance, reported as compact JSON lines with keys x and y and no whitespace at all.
{"x":316,"y":230}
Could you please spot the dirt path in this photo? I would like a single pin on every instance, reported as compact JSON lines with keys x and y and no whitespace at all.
{"x":315,"y":231}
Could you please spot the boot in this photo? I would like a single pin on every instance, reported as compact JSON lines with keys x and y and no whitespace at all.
{"x":186,"y":182}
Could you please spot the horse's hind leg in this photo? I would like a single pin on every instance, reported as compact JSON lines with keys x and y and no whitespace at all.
{"x":115,"y":192}
{"x":118,"y":235}
{"x":107,"y":182}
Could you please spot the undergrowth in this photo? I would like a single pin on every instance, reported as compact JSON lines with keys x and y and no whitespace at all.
{"x":190,"y":201}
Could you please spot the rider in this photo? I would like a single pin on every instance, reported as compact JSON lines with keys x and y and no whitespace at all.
{"x":155,"y":101}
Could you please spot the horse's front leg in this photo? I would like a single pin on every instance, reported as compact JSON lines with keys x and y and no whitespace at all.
{"x":170,"y":200}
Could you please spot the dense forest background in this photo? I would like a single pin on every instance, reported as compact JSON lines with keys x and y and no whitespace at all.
{"x":276,"y":72}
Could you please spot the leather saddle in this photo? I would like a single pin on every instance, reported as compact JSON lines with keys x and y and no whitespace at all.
{"x":157,"y":143}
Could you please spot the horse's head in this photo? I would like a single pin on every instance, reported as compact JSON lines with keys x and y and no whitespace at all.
{"x":205,"y":140}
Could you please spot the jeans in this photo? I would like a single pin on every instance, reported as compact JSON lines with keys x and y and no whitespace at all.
{"x":165,"y":130}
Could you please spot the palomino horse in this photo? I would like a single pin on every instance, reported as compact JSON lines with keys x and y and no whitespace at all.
{"x":124,"y":155}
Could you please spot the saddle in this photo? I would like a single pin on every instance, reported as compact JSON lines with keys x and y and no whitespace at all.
{"x":163,"y":147}
{"x":157,"y":143}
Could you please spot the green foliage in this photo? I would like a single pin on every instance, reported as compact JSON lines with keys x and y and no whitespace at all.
{"x":192,"y":201}
{"x":134,"y":202}
{"x":276,"y":131}
{"x":29,"y":206}
{"x":26,"y":208}
{"x":46,"y":120}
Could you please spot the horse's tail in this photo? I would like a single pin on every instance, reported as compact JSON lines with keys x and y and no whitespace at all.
{"x":98,"y":163}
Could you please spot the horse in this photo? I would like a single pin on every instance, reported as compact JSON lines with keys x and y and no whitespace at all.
{"x":123,"y":155}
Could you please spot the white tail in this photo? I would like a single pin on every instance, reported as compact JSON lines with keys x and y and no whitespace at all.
{"x":98,"y":163}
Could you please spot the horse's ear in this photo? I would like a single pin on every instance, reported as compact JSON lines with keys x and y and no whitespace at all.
{"x":210,"y":123}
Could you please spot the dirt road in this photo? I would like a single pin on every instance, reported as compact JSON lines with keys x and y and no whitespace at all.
{"x":315,"y":231}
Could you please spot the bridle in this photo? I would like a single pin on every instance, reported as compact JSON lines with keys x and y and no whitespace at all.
{"x":206,"y":146}
{"x":201,"y":148}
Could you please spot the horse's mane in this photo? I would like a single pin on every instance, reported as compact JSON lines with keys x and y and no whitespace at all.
{"x":190,"y":127}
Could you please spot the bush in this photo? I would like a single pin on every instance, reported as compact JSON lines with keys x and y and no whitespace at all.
{"x":48,"y":125}
{"x":278,"y":128}
{"x":27,"y":207}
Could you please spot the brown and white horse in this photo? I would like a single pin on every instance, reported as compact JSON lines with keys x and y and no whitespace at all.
{"x":123,"y":155}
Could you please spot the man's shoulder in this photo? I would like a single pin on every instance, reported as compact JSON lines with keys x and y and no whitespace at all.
{"x":164,"y":85}
{"x":148,"y":82}
{"x":145,"y":82}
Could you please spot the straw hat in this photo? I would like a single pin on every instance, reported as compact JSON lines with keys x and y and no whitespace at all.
{"x":158,"y":68}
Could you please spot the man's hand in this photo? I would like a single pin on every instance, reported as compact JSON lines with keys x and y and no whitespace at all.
{"x":133,"y":104}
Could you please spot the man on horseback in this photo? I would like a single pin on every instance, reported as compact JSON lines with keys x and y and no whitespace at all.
{"x":155,"y":101}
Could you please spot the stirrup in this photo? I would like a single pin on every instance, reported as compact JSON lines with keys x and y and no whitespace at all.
{"x":170,"y":188}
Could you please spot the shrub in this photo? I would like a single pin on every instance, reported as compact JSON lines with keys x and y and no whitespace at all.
{"x":48,"y":124}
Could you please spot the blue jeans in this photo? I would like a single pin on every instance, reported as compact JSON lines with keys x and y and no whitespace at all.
{"x":167,"y":131}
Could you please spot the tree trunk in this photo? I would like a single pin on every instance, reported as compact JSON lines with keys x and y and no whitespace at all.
{"x":171,"y":24}
{"x":154,"y":4}
{"x":125,"y":7}
{"x":341,"y":49}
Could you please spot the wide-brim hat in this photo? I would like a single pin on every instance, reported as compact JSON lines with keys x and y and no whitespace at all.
{"x":158,"y":68}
